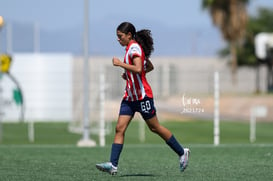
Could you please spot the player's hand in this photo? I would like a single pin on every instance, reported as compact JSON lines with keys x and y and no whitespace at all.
{"x":116,"y":61}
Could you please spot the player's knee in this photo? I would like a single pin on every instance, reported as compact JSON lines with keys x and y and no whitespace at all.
{"x":153,"y":129}
{"x":120,"y":129}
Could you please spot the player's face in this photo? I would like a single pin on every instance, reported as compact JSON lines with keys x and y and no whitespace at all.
{"x":123,"y":38}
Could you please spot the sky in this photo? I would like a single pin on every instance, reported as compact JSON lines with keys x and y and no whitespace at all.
{"x":52,"y":14}
{"x":59,"y":15}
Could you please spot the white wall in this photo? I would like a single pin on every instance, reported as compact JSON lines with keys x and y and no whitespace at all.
{"x":46,"y":81}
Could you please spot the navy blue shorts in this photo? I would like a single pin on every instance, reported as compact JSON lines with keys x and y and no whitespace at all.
{"x":145,"y":107}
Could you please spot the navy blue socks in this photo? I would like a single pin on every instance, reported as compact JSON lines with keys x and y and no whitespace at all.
{"x":115,"y":152}
{"x":117,"y":148}
{"x":175,"y":146}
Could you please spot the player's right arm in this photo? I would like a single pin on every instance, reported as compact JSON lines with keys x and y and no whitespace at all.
{"x":136,"y":67}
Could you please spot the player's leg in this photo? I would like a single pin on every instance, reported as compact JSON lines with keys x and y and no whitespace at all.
{"x":148,"y":112}
{"x":169,"y":138}
{"x":164,"y":133}
{"x":125,"y":116}
{"x":111,"y":167}
{"x":122,"y":124}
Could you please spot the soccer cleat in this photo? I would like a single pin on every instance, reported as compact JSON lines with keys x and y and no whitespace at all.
{"x":107,"y":167}
{"x":184,"y":159}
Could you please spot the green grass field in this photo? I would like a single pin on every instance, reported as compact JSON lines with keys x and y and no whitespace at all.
{"x":54,"y":155}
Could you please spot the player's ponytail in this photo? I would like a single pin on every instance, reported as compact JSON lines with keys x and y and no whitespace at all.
{"x":143,"y":37}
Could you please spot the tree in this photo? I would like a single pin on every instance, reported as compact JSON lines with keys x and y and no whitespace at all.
{"x":230,"y":16}
{"x":257,"y":23}
{"x":246,"y":50}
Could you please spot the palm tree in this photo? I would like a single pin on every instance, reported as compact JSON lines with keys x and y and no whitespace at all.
{"x":230,"y":16}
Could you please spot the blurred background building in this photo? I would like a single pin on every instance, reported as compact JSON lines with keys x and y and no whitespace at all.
{"x":45,"y":41}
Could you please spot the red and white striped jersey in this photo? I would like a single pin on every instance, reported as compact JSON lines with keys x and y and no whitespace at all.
{"x":137,"y":86}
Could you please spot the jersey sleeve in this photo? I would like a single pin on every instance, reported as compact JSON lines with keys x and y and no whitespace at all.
{"x":135,"y":50}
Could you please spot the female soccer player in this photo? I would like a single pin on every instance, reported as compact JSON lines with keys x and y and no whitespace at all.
{"x":138,"y":95}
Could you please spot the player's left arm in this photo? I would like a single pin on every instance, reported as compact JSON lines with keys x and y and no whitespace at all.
{"x":149,"y":66}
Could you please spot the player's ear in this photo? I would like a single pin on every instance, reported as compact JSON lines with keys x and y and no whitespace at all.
{"x":129,"y":34}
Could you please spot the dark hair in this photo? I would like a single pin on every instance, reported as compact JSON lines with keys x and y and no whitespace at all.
{"x":143,"y":37}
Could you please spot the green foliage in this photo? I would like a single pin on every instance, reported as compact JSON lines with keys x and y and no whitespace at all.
{"x":262,"y":22}
{"x":246,"y":49}
{"x":256,"y":24}
{"x":207,"y":3}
